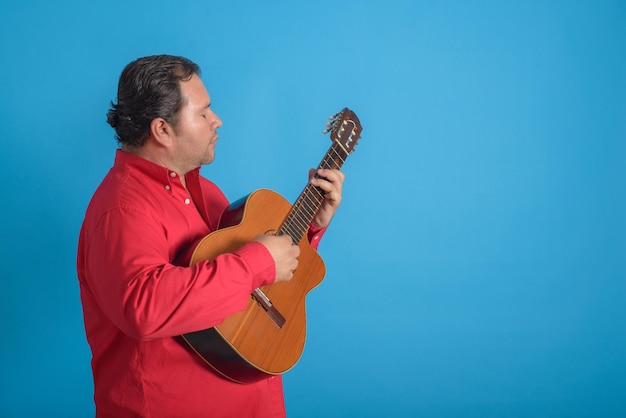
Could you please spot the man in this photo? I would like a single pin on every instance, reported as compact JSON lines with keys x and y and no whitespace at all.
{"x":137,"y":288}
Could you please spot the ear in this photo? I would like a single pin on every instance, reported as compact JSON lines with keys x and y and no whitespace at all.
{"x":161,"y":131}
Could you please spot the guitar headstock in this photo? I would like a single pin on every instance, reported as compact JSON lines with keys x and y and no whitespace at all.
{"x":345,"y":129}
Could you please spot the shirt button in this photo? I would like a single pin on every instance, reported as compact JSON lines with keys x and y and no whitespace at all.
{"x":172,"y":174}
{"x":187,"y":201}
{"x":167,"y":187}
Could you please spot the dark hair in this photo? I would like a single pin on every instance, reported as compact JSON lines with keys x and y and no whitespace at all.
{"x":148,"y":88}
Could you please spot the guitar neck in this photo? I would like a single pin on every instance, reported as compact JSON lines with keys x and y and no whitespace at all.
{"x":297,"y":222}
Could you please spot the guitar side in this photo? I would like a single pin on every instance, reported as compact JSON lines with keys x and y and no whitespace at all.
{"x":251,"y":345}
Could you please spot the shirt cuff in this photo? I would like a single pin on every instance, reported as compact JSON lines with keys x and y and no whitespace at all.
{"x":315,"y":234}
{"x":260,"y":262}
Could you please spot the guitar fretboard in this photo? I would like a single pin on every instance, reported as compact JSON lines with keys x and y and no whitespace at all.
{"x":297,"y":222}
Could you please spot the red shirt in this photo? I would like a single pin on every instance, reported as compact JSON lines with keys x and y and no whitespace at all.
{"x":138,"y":293}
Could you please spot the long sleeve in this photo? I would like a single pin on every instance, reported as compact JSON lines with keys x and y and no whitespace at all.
{"x":134,"y":283}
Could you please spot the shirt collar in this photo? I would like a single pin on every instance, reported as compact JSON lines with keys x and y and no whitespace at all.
{"x":152,"y":170}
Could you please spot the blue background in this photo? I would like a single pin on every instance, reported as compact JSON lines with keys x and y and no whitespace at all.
{"x":477,"y":265}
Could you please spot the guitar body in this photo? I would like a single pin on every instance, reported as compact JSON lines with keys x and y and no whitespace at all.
{"x":250,"y":345}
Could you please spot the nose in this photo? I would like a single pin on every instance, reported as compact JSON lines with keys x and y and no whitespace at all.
{"x":217,"y":122}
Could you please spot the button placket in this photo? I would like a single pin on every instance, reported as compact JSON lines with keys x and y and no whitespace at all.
{"x":186,"y":200}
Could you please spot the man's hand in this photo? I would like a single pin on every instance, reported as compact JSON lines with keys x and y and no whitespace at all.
{"x":331,"y":183}
{"x":284,"y":252}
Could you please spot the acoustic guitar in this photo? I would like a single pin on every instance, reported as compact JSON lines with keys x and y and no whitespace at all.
{"x":267,"y":338}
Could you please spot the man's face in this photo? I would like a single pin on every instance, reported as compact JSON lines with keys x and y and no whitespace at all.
{"x":196,"y":130}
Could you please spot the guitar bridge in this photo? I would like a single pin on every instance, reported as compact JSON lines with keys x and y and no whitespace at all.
{"x":265,"y":303}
